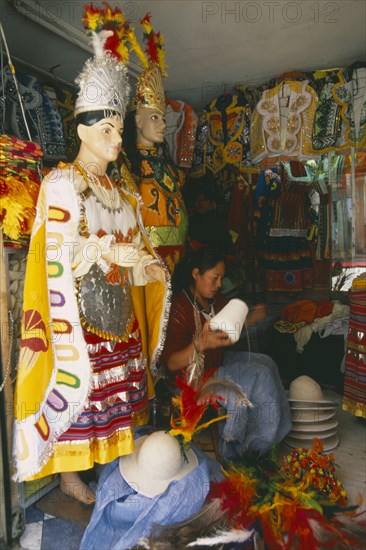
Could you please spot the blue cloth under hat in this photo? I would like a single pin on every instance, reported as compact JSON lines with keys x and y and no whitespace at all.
{"x":122,"y":517}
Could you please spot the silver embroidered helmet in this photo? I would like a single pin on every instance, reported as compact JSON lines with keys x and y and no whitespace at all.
{"x":103,"y":81}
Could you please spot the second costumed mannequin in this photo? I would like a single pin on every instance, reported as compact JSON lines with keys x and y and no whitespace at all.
{"x":158,"y":181}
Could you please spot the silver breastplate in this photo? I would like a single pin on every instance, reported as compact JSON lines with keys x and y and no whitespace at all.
{"x":105,"y":309}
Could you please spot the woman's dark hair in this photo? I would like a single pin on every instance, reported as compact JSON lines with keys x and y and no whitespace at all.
{"x":203,"y":259}
{"x":92,"y":117}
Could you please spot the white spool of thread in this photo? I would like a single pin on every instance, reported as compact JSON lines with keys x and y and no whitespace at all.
{"x":231,"y":319}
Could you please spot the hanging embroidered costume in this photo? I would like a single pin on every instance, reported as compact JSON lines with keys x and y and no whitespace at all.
{"x":163,"y":211}
{"x":350,"y":94}
{"x":284,"y":217}
{"x":222,"y":138}
{"x":328,"y":131}
{"x":340,"y":118}
{"x":282,"y":122}
{"x":181,"y":126}
{"x":83,"y":379}
{"x":42,"y":115}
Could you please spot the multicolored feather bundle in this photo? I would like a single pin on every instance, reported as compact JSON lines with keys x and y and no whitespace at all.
{"x":293,"y":502}
{"x":96,"y":20}
{"x":154,"y":44}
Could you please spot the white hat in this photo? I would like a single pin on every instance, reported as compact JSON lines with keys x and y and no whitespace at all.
{"x":156,"y":461}
{"x":305,"y":389}
{"x":231,"y":319}
{"x":308,"y":427}
{"x":312,"y":414}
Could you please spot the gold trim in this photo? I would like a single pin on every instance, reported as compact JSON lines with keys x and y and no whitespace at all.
{"x":358,"y":347}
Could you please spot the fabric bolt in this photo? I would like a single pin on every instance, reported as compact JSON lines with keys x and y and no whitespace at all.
{"x":88,"y":347}
{"x":246,"y":430}
{"x":122,"y":516}
{"x":354,"y":394}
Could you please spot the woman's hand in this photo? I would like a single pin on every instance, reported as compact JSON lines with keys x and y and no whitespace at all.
{"x":155,"y":273}
{"x":211,"y":339}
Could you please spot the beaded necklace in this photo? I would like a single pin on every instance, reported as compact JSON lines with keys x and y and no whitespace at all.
{"x":107,"y":194}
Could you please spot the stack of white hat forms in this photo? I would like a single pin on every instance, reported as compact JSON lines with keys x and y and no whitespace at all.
{"x":312,"y":416}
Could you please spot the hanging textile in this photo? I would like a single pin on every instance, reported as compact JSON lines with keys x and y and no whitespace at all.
{"x":321,"y":184}
{"x":181,"y":126}
{"x":354,"y":395}
{"x":284,"y":216}
{"x":66,"y":105}
{"x":350,"y":94}
{"x":41,"y":112}
{"x":222,"y":139}
{"x":328,"y":132}
{"x":283,"y":120}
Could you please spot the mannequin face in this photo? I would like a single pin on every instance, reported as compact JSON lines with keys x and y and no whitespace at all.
{"x":101,"y":142}
{"x":150,"y":126}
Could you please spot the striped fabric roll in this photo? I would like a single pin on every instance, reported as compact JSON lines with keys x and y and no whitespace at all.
{"x":354,"y":397}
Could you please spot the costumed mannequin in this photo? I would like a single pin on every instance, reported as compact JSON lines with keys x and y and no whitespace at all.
{"x":89,"y":332}
{"x":158,"y":181}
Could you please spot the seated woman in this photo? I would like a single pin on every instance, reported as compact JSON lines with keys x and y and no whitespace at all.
{"x":247,"y":430}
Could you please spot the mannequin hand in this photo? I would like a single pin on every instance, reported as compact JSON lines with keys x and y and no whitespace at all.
{"x":258,"y":313}
{"x":212,"y":339}
{"x":155,"y":273}
{"x":123,"y":254}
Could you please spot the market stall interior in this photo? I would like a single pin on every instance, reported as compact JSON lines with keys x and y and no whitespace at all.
{"x":265,"y":121}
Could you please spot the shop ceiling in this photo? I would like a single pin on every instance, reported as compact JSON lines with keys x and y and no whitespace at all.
{"x":210,"y":45}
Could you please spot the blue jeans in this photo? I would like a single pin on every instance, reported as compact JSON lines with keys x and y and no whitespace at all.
{"x":254,"y":429}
